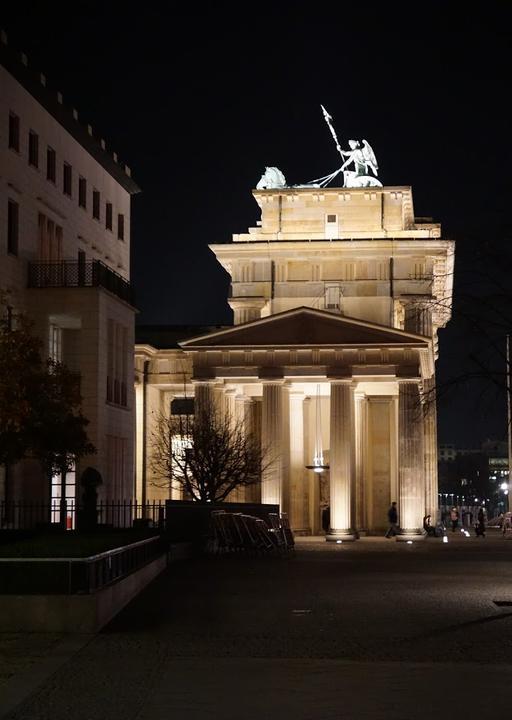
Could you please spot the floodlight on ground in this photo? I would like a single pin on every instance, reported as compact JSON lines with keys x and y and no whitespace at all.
{"x":445,"y":539}
{"x":338,"y":542}
{"x":409,"y":542}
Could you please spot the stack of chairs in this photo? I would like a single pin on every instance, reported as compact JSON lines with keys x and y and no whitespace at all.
{"x":281,"y":531}
{"x":237,"y":532}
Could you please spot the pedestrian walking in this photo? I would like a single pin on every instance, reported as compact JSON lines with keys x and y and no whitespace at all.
{"x":480,"y":523}
{"x":454,"y":518}
{"x":393,"y":520}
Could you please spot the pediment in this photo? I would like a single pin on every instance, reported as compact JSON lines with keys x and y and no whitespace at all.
{"x":306,"y":327}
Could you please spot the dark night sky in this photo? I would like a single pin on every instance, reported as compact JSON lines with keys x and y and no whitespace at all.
{"x":197,"y":103}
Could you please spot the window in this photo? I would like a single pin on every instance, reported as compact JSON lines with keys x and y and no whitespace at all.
{"x":33,"y":149}
{"x":55,"y":343}
{"x":67,"y":179}
{"x":50,"y":244}
{"x":81,"y":268}
{"x":14,"y":132}
{"x":120,"y":227}
{"x":96,"y":204}
{"x":117,"y":364}
{"x":51,"y":165}
{"x":331,"y":227}
{"x":12,"y":227}
{"x":69,"y":496}
{"x":82,"y":192}
{"x":333,"y":294}
{"x":108,"y":216}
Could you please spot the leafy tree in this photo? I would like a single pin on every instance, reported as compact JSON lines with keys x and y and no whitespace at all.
{"x":58,"y":438}
{"x":207,"y":455}
{"x":40,"y":402}
{"x":21,"y":372}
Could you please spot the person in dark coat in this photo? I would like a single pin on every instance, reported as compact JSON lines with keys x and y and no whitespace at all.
{"x":393,"y":520}
{"x":454,"y":518}
{"x":480,"y":523}
{"x":428,"y":527}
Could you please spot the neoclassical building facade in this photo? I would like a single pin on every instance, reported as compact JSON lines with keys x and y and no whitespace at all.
{"x":338,"y":295}
{"x":65,"y":204}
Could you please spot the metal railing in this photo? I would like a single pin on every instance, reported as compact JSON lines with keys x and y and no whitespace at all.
{"x":75,"y":274}
{"x":73,"y":576}
{"x":111,"y":513}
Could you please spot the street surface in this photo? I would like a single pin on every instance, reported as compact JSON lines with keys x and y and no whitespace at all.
{"x":373,"y":629}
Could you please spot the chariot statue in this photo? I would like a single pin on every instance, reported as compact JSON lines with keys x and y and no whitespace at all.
{"x":359,"y":166}
{"x":359,"y":154}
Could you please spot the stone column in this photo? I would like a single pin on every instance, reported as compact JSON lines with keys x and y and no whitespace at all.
{"x":229,"y":403}
{"x":239,"y":494}
{"x":360,"y":428}
{"x":274,"y":487}
{"x":430,"y":428}
{"x":246,"y":412}
{"x":203,"y":397}
{"x":297,"y":469}
{"x":411,"y":462}
{"x":313,"y":480}
{"x":341,"y":461}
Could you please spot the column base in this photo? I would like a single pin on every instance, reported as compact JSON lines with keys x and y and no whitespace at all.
{"x":302,"y":532}
{"x":341,"y":536}
{"x":414,"y":535}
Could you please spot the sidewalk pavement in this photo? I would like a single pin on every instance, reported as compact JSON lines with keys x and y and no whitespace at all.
{"x":191,"y":646}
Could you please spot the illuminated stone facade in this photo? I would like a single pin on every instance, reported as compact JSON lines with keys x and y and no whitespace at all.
{"x":337,"y":295}
{"x":65,"y":261}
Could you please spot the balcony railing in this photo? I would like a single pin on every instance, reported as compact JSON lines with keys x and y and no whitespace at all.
{"x":72,"y":273}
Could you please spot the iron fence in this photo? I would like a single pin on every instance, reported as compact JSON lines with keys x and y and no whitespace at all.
{"x":68,"y":514}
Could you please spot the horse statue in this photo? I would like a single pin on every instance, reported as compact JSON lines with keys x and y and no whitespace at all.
{"x":271,"y":178}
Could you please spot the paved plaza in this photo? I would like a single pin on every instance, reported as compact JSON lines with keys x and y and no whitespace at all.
{"x":373,"y":629}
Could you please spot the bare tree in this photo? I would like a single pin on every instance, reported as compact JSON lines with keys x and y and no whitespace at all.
{"x":206,"y":455}
{"x":477,"y":365}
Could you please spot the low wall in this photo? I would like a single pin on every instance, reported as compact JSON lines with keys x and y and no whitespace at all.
{"x":75,"y":613}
